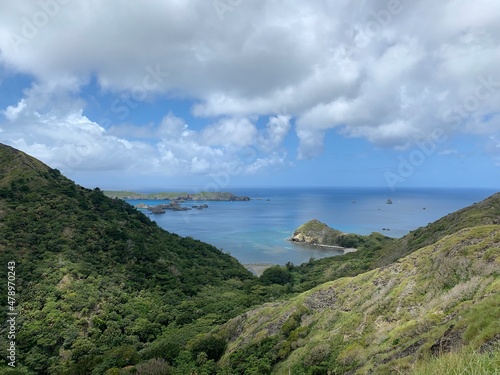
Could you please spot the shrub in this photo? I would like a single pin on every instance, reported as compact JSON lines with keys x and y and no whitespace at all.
{"x":210,"y":344}
{"x":276,"y":275}
{"x":155,"y":366}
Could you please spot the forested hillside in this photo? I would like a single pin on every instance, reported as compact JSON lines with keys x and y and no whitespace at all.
{"x":101,"y":289}
{"x":98,"y":285}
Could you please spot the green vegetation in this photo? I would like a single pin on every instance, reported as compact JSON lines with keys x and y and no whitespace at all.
{"x":481,"y":213}
{"x":377,"y":250}
{"x":204,"y":195}
{"x":100,"y":286}
{"x":316,"y":272}
{"x":100,"y":289}
{"x":431,"y":302}
{"x":463,"y":362}
{"x":317,"y":233}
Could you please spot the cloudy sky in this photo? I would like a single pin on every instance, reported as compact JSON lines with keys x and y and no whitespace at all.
{"x":220,"y":93}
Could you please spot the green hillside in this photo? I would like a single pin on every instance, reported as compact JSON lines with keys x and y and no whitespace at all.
{"x":436,"y":300}
{"x":101,"y":289}
{"x":377,"y":250}
{"x":98,"y":285}
{"x":315,"y":232}
{"x":482,"y":213}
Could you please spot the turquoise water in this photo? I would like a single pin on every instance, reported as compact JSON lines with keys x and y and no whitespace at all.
{"x":256,"y":231}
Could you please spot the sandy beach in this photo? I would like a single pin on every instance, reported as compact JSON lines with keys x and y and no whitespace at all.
{"x":258,"y":268}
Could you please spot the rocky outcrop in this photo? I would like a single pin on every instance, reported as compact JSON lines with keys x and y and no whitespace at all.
{"x":156,"y":210}
{"x":200,"y":207}
{"x":161,"y":208}
{"x":314,"y":232}
{"x":242,"y":198}
{"x":179,"y":197}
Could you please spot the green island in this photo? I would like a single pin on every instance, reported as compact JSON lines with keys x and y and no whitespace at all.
{"x":101,"y":289}
{"x":314,"y":232}
{"x":176,"y":196}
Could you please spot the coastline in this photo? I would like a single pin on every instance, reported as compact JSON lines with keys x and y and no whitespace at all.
{"x":346,"y":250}
{"x":176,"y":196}
{"x":258,"y":268}
{"x":256,"y":231}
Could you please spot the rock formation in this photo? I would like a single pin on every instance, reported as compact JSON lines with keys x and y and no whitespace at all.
{"x":314,"y":232}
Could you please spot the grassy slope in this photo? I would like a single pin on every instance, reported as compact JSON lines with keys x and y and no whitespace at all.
{"x":431,"y":301}
{"x":481,"y":213}
{"x":97,"y":282}
{"x":464,"y":362}
{"x":315,"y":226}
{"x":377,"y":250}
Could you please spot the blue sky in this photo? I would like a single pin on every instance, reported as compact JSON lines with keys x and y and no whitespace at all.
{"x":213,"y":94}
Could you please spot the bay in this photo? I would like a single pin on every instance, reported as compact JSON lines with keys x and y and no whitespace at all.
{"x":256,"y":231}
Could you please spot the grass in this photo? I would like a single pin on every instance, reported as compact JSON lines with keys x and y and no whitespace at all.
{"x":463,"y":362}
{"x":439,"y":298}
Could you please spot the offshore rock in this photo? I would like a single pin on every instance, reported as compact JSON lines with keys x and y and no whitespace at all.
{"x":314,"y":232}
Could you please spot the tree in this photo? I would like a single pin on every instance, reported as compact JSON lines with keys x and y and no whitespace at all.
{"x":276,"y":275}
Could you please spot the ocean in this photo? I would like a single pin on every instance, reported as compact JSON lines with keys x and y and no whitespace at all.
{"x":256,"y":231}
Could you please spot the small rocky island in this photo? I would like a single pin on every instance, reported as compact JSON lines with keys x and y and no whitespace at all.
{"x":314,"y":232}
{"x":175,"y":199}
{"x":176,"y":196}
{"x":174,"y":206}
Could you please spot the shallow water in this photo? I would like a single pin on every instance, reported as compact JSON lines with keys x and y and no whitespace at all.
{"x":256,"y":231}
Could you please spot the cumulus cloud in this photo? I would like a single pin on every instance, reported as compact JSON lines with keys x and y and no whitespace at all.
{"x":66,"y":139}
{"x":276,"y":160}
{"x":11,"y":112}
{"x":381,"y":70}
{"x":230,"y":131}
{"x":275,"y":132}
{"x":71,"y":141}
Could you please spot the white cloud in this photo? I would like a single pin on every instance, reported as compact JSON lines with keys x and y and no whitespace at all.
{"x":371,"y":70}
{"x":450,"y":151}
{"x":230,"y":131}
{"x":393,"y":134}
{"x":275,"y":132}
{"x":311,"y":142}
{"x":273,"y":161}
{"x":172,"y":126}
{"x":12,"y":112}
{"x":66,"y":139}
{"x":72,"y":142}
